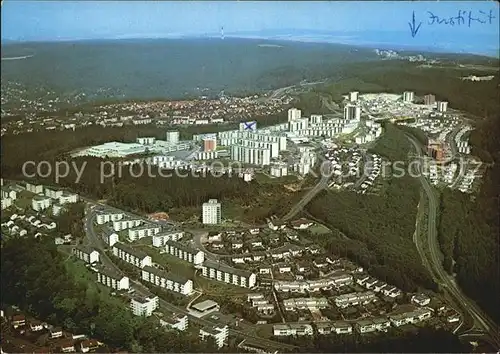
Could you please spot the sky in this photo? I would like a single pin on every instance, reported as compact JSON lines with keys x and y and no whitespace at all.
{"x":338,"y":21}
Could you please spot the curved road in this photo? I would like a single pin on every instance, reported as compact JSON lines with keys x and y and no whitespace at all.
{"x":448,"y":283}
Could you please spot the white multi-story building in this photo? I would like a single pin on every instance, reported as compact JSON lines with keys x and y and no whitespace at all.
{"x":294,"y":114}
{"x":174,"y":321}
{"x":123,"y":224}
{"x":224,"y":273}
{"x":408,"y":96}
{"x":414,"y":316}
{"x":169,"y":281}
{"x":184,"y":252}
{"x":251,"y":155}
{"x":111,"y":239}
{"x":8,"y":192}
{"x":211,"y":212}
{"x":108,"y":216}
{"x":442,"y":106}
{"x":130,"y":255}
{"x":6,"y":203}
{"x":206,"y":155}
{"x":293,"y":330}
{"x":86,"y":254}
{"x":315,"y":119}
{"x":352,"y":112}
{"x":353,"y":96}
{"x":112,"y":279}
{"x":146,"y":140}
{"x":34,"y":188}
{"x":67,"y":198}
{"x":219,"y":334}
{"x":172,"y":137}
{"x":137,"y":233}
{"x":279,"y":170}
{"x":351,"y":299}
{"x":160,"y":239}
{"x":144,"y":306}
{"x":52,"y":193}
{"x":39,"y":203}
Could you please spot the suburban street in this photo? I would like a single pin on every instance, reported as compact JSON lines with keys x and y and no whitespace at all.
{"x":448,"y":283}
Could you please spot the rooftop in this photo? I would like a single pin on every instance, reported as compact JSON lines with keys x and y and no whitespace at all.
{"x":134,"y":252}
{"x":202,"y":306}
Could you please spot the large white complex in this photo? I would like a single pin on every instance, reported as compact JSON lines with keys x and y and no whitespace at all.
{"x":169,"y":281}
{"x":130,"y":255}
{"x":144,"y":306}
{"x":408,"y":96}
{"x":160,"y":240}
{"x":137,"y":233}
{"x":184,"y":252}
{"x":221,"y":272}
{"x":108,"y":216}
{"x":211,"y":212}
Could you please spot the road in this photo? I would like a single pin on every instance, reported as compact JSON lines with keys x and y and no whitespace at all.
{"x":447,"y":282}
{"x":140,"y":289}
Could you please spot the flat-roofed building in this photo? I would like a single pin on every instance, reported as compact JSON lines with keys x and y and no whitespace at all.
{"x":112,"y":279}
{"x":204,"y":308}
{"x":218,"y":333}
{"x":160,"y":239}
{"x":53,"y":193}
{"x":305,"y":303}
{"x":184,"y":252}
{"x":136,"y":233}
{"x":224,"y":273}
{"x":130,"y":255}
{"x":68,"y":198}
{"x":39,"y":203}
{"x":175,"y":321}
{"x":144,"y":306}
{"x":292,"y":330}
{"x":34,"y":188}
{"x":351,"y":299}
{"x":169,"y":281}
{"x":108,"y":216}
{"x":126,"y":223}
{"x":86,"y":254}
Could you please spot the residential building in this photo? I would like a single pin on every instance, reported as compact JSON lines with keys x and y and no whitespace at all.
{"x":184,"y":252}
{"x":112,"y":279}
{"x":209,"y":144}
{"x":175,"y":321}
{"x":39,"y":203}
{"x":353,"y":96}
{"x":352,"y":112}
{"x":123,"y":224}
{"x":421,"y":299}
{"x":292,"y":330}
{"x":53,"y":193}
{"x":169,"y":281}
{"x":109,"y":216}
{"x":294,"y":114}
{"x":8,"y":192}
{"x":351,"y":299}
{"x":131,"y":255}
{"x":18,"y":321}
{"x":252,"y":155}
{"x":160,"y":239}
{"x":224,"y":273}
{"x":136,"y":233}
{"x":305,"y":303}
{"x":219,"y":333}
{"x":172,"y":137}
{"x":341,"y":327}
{"x":86,"y":254}
{"x":442,"y":106}
{"x":429,"y":100}
{"x":111,"y":239}
{"x":144,"y":306}
{"x":88,"y":345}
{"x":410,"y":317}
{"x":66,"y":198}
{"x":146,"y":140}
{"x":34,"y":188}
{"x":408,"y":96}
{"x":55,"y":332}
{"x":211,"y":212}
{"x":6,"y":203}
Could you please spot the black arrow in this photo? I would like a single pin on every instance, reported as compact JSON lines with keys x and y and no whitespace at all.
{"x":414,"y":29}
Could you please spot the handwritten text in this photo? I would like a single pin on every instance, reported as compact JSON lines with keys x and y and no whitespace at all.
{"x":463,"y":18}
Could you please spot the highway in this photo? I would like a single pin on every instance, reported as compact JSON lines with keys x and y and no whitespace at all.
{"x":447,"y":282}
{"x":140,"y":289}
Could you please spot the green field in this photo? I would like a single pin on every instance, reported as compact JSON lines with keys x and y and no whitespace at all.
{"x":319,"y":229}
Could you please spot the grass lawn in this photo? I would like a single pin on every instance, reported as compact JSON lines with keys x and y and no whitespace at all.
{"x":24,"y":200}
{"x":173,"y":264}
{"x":319,"y":229}
{"x":265,"y":331}
{"x":262,"y":178}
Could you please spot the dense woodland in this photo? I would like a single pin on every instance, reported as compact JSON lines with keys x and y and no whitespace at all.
{"x":34,"y":277}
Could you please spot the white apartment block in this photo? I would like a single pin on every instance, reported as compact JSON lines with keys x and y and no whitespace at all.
{"x":303,"y":303}
{"x":414,"y":316}
{"x":34,"y":188}
{"x":137,"y":233}
{"x":112,"y":279}
{"x":9,"y":193}
{"x":353,"y":96}
{"x":178,"y":322}
{"x":442,"y":106}
{"x":52,"y":193}
{"x":219,"y":333}
{"x":292,"y":330}
{"x":351,"y":299}
{"x":278,"y":170}
{"x":86,"y":254}
{"x":67,"y":198}
{"x":408,"y":96}
{"x":146,"y":140}
{"x":111,"y":239}
{"x":336,"y":280}
{"x":160,"y":239}
{"x":144,"y":306}
{"x":184,"y":252}
{"x":169,"y":281}
{"x":224,"y":273}
{"x":6,"y":203}
{"x":294,"y":114}
{"x":124,"y":224}
{"x":352,"y":112}
{"x":172,"y":137}
{"x":130,"y":255}
{"x":39,"y":203}
{"x":251,"y":155}
{"x":104,"y":217}
{"x":315,"y":119}
{"x":211,"y":212}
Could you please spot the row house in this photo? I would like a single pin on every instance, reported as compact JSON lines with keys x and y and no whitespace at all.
{"x":108,"y":216}
{"x":391,"y":291}
{"x":372,"y":325}
{"x":292,"y":330}
{"x":137,"y":233}
{"x":337,"y":327}
{"x":410,"y":317}
{"x":130,"y":255}
{"x":86,"y":254}
{"x":352,"y":299}
{"x":305,"y":303}
{"x":287,"y":250}
{"x":160,"y":239}
{"x":112,"y":279}
{"x":123,"y":224}
{"x":283,"y":268}
{"x":184,"y":252}
{"x":169,"y":281}
{"x":221,"y":272}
